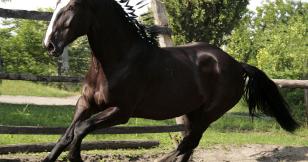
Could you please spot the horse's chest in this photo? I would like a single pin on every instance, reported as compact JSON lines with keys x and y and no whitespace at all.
{"x":123,"y":90}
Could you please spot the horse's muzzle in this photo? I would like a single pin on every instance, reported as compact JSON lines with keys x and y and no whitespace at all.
{"x":53,"y":50}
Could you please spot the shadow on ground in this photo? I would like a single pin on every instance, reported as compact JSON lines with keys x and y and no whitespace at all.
{"x":284,"y":154}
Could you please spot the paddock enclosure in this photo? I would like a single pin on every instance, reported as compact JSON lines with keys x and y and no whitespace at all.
{"x":161,"y":26}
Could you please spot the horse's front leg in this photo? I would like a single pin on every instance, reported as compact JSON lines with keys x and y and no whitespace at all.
{"x":107,"y":118}
{"x":81,"y":113}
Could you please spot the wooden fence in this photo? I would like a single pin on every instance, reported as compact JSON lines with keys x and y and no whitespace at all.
{"x":282,"y":83}
{"x":46,"y":16}
{"x":112,"y":130}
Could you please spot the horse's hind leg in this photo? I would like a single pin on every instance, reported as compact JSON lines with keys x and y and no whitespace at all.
{"x":81,"y":113}
{"x":195,"y":127}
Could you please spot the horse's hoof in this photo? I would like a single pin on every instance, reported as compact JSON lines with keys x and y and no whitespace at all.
{"x":46,"y":160}
{"x":75,"y":159}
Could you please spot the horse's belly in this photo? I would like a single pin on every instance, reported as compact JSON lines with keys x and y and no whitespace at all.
{"x":169,"y":103}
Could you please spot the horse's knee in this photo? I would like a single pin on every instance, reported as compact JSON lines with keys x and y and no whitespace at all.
{"x":66,"y":140}
{"x":82,"y":109}
{"x":82,"y":103}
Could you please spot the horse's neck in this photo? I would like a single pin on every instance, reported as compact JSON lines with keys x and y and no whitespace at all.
{"x":111,"y":44}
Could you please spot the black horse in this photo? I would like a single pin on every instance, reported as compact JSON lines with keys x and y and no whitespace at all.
{"x":130,"y":76}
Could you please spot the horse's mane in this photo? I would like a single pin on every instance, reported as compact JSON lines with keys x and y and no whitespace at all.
{"x":128,"y":13}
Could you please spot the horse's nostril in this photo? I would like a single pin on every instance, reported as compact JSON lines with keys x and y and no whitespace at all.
{"x":51,"y":47}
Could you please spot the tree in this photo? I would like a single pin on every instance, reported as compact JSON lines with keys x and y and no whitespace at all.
{"x":240,"y":45}
{"x":79,"y":53}
{"x":274,"y":39}
{"x":22,"y":50}
{"x":208,"y":20}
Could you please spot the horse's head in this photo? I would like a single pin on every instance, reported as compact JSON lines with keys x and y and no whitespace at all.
{"x":71,"y":19}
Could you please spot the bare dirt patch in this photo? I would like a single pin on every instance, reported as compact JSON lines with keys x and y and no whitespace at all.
{"x":222,"y":153}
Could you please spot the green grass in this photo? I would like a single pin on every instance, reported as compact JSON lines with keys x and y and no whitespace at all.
{"x":31,"y":115}
{"x":25,"y":88}
{"x":52,"y":116}
{"x":234,"y":128}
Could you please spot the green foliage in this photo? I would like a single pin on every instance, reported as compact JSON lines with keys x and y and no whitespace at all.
{"x":210,"y":20}
{"x":79,"y":53}
{"x":274,"y":39}
{"x":240,"y":44}
{"x":22,"y":51}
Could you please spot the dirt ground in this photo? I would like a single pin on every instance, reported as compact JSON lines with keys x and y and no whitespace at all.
{"x":245,"y":153}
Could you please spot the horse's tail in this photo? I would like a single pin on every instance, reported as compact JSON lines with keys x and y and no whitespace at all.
{"x":262,"y":94}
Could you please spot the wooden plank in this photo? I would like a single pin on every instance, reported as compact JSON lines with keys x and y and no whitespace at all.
{"x":112,"y":130}
{"x":160,"y":30}
{"x":283,"y":83}
{"x":35,"y":148}
{"x":23,"y":14}
{"x":306,"y":103}
{"x":29,"y":77}
{"x":46,"y":16}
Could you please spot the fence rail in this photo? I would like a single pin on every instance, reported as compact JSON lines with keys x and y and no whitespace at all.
{"x":36,"y":78}
{"x":46,"y":16}
{"x":282,"y":83}
{"x":24,"y":14}
{"x":46,"y":147}
{"x":112,"y":130}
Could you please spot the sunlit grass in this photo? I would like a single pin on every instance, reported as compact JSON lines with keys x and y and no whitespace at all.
{"x":25,"y":88}
{"x":230,"y":129}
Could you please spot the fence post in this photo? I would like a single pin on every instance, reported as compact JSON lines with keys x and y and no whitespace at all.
{"x":1,"y":66}
{"x":306,"y":90}
{"x":306,"y":103}
{"x":161,"y":19}
{"x":65,"y":60}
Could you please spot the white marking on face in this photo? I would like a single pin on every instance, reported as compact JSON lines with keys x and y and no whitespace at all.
{"x":60,"y":5}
